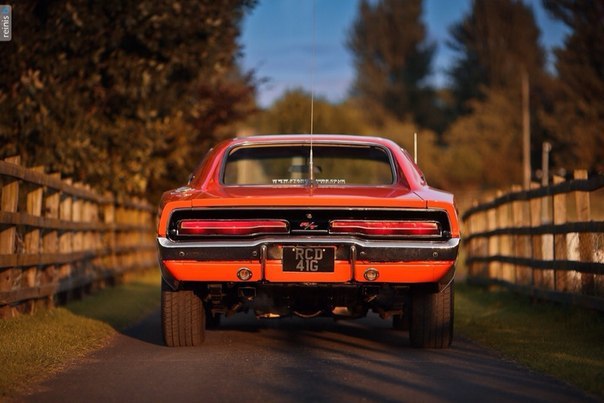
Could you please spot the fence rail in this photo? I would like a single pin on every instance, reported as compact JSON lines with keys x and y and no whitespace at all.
{"x":540,"y":242}
{"x":59,"y":239}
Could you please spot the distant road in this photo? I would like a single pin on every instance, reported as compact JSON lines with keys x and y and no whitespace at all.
{"x":295,"y":360}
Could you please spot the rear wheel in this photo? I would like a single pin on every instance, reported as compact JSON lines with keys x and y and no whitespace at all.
{"x":431,"y":324}
{"x":182,"y":317}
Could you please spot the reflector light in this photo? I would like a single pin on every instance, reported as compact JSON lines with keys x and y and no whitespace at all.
{"x":371,"y":274}
{"x":386,"y":228}
{"x":232,"y":227}
{"x":244,"y":274}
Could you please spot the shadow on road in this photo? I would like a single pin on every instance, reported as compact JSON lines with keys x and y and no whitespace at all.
{"x":294,"y":359}
{"x":298,"y":360}
{"x":291,"y":329}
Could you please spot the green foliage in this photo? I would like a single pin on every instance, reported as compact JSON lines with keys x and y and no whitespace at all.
{"x":496,"y":42}
{"x":485,"y":146}
{"x":291,"y":114}
{"x":393,"y":58}
{"x":576,"y":116}
{"x":110,"y":92}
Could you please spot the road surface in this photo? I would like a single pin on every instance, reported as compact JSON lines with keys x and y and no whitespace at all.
{"x":296,"y":360}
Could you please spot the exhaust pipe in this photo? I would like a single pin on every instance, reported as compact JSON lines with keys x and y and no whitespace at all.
{"x":307,"y":315}
{"x":247,"y":293}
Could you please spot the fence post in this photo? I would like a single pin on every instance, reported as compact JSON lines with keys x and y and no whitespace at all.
{"x":506,"y":271}
{"x":481,"y":247}
{"x":109,"y":235}
{"x":493,"y":246}
{"x":586,"y":240}
{"x":8,"y":236}
{"x":536,"y":240}
{"x":519,"y":246}
{"x":50,"y":238}
{"x":31,"y":239}
{"x":470,"y":228}
{"x":560,"y":245}
{"x":65,"y":243}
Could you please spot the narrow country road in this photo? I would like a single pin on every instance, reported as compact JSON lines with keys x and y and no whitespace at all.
{"x":295,"y":360}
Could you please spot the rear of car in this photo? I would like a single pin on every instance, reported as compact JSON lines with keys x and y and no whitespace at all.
{"x":310,"y":226}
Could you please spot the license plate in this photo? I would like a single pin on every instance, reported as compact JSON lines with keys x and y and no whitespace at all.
{"x":308,"y":259}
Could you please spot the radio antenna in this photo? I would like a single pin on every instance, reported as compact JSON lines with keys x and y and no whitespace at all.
{"x":415,"y":147}
{"x":312,"y":97}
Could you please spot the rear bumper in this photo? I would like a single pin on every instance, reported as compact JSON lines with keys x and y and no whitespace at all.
{"x":370,"y":250}
{"x":404,"y":262}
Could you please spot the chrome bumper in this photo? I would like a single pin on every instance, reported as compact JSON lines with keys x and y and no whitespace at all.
{"x":348,"y":248}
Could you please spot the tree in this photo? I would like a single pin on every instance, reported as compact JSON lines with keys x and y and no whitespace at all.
{"x":393,"y":59}
{"x":113,"y":92}
{"x":484,"y":145}
{"x":290,"y":114}
{"x":497,"y":41}
{"x":576,"y":116}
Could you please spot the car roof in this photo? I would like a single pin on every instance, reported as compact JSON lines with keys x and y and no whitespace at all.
{"x":287,"y":138}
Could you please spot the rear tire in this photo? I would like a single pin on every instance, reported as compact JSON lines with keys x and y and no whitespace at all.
{"x":431,"y":323}
{"x":182,"y":317}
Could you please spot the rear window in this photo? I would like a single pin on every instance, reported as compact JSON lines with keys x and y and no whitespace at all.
{"x":289,"y":164}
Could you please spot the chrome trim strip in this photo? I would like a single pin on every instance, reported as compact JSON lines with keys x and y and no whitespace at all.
{"x":365,"y":243}
{"x":353,"y":260}
{"x":305,"y":209}
{"x":263,"y":258}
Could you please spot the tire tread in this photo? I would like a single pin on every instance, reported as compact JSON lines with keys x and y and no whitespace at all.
{"x":182,"y":317}
{"x":432,"y":318}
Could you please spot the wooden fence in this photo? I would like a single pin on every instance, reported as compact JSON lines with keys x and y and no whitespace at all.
{"x":542,"y":242}
{"x":59,"y":239}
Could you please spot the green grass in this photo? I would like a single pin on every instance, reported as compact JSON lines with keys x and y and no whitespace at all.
{"x":120,"y":306}
{"x":36,"y":346}
{"x":562,"y":341}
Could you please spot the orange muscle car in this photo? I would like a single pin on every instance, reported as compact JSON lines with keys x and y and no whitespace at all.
{"x":322,"y":225}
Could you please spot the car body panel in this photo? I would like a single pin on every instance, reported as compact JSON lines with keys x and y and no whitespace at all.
{"x":272,"y":271}
{"x":266,"y":235}
{"x":396,"y":262}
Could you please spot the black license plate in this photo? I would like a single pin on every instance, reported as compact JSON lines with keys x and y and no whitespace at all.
{"x":308,"y":259}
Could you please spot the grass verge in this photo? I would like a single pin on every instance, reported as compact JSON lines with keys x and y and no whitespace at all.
{"x":34,"y":347}
{"x":562,"y":341}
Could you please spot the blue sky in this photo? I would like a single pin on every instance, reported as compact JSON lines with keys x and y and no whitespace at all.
{"x":278,"y":43}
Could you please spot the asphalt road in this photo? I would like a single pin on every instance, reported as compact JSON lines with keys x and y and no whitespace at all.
{"x":295,"y":360}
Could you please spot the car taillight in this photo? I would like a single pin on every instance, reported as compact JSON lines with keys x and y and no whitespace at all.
{"x":232,"y":227}
{"x":386,"y":228}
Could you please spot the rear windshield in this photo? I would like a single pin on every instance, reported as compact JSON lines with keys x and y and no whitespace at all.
{"x":289,"y":164}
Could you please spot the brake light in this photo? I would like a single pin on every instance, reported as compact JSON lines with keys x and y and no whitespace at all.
{"x":386,"y":228}
{"x":232,"y":227}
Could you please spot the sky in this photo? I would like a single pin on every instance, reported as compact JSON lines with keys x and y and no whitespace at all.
{"x":280,"y":44}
